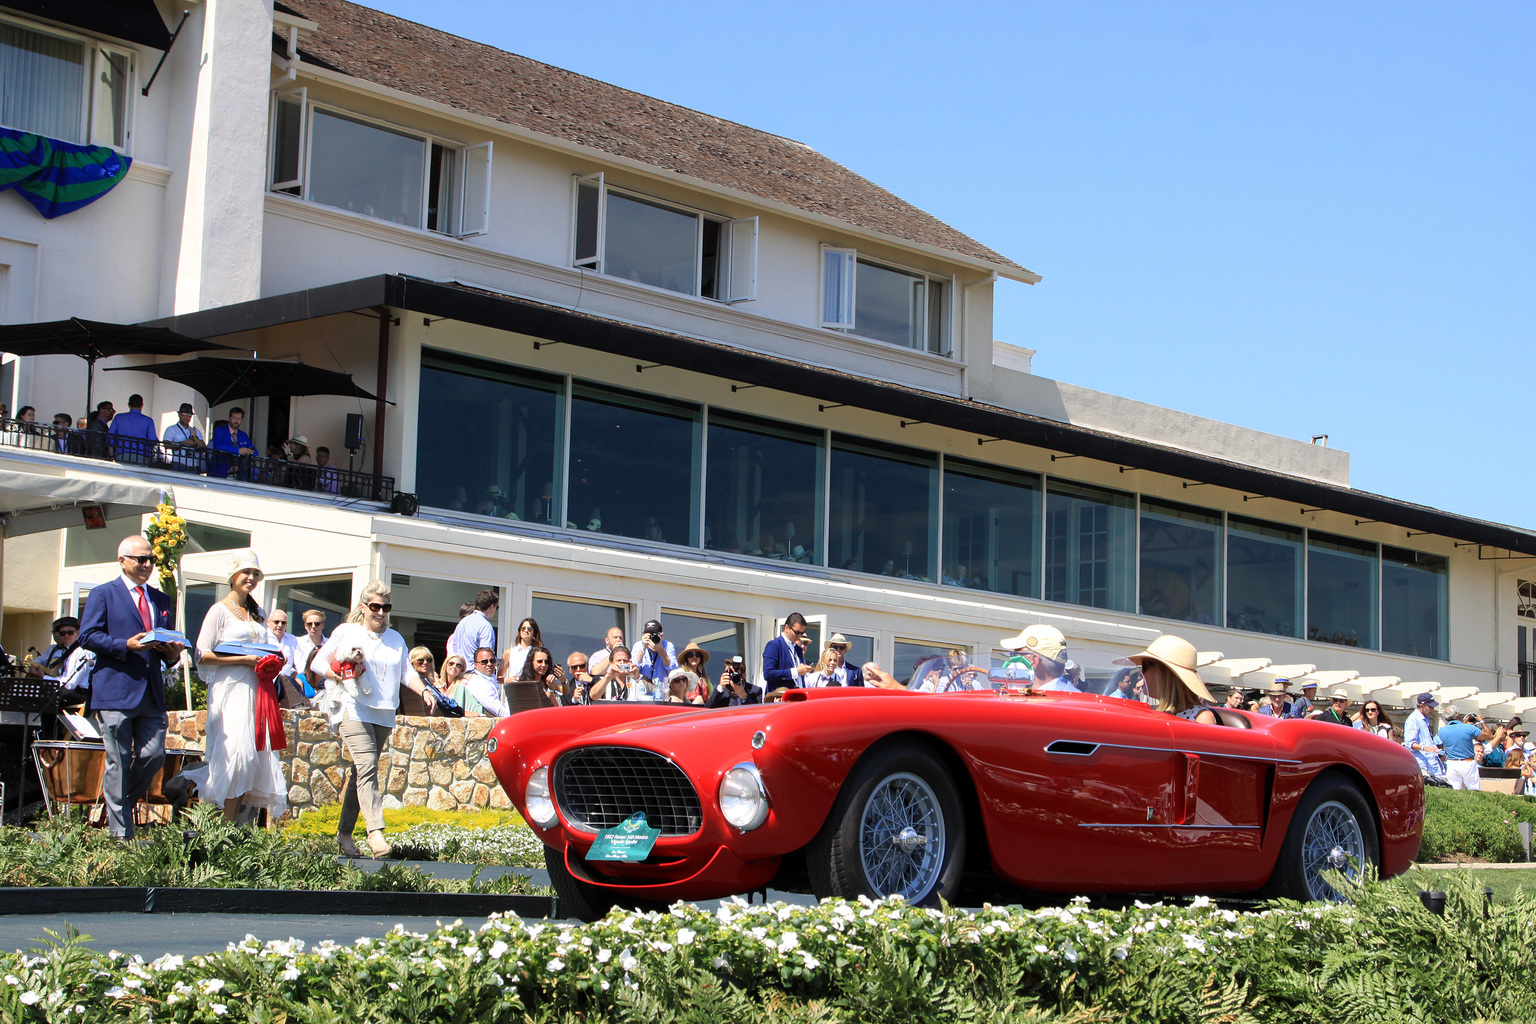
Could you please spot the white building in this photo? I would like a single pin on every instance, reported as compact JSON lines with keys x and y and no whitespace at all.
{"x":645,"y":363}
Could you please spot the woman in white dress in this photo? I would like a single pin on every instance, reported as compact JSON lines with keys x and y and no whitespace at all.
{"x":365,"y":710}
{"x":238,"y":772}
{"x":516,"y":656}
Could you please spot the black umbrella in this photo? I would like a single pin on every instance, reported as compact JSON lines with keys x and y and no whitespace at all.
{"x":218,"y":379}
{"x":91,"y":340}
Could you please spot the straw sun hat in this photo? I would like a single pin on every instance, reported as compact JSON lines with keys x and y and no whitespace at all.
{"x":1179,"y":657}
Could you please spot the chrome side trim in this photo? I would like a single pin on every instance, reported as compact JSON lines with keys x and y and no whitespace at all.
{"x":1202,"y":753}
{"x":1231,"y":828}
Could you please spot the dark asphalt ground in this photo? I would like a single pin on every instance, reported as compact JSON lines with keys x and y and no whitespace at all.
{"x":152,"y":935}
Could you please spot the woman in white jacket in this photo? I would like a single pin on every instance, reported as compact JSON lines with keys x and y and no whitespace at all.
{"x":364,"y":712}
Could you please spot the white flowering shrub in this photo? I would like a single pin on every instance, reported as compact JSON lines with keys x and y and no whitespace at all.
{"x":503,"y":844}
{"x":1383,"y":958}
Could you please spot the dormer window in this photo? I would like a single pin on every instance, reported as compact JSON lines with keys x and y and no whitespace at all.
{"x":64,"y":87}
{"x":634,"y":237}
{"x":379,"y":170}
{"x":884,"y":302}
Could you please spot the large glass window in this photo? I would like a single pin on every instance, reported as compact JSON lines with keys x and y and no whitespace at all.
{"x":722,"y":638}
{"x":568,"y":626}
{"x":329,"y":594}
{"x":1180,"y":562}
{"x":1414,"y":602}
{"x":634,"y":465}
{"x":90,"y":547}
{"x":1090,"y":546}
{"x":991,"y":529}
{"x":1264,"y":577}
{"x":427,"y":610}
{"x":203,"y":537}
{"x":511,"y":470}
{"x":762,"y":491}
{"x":639,"y":239}
{"x":883,"y":510}
{"x":42,"y":82}
{"x":1341,"y":591}
{"x":366,"y":168}
{"x":886,"y":303}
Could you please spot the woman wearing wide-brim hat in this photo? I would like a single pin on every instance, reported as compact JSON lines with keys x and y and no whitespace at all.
{"x":244,"y":729}
{"x":1168,"y":664}
{"x":694,"y":658}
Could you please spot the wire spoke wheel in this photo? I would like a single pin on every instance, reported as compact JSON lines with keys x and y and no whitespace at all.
{"x":1333,"y":841}
{"x":902,"y":837}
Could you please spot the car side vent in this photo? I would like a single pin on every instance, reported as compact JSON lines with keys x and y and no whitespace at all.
{"x":1076,"y":748}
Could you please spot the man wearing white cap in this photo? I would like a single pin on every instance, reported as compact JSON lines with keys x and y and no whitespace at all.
{"x":1301,"y":707}
{"x":1459,"y":737}
{"x":842,"y":674}
{"x":1338,"y":711}
{"x":1041,"y":651}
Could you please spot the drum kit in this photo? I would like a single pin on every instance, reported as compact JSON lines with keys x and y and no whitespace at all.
{"x":70,"y":771}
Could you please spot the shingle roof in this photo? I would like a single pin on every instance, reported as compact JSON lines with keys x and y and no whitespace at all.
{"x":480,"y":79}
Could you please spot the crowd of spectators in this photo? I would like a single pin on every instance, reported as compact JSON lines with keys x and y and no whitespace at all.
{"x":131,"y":437}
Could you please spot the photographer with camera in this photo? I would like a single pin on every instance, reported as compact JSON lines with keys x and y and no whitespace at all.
{"x":1460,"y":736}
{"x":734,"y":689}
{"x":620,"y":679}
{"x":655,"y":656}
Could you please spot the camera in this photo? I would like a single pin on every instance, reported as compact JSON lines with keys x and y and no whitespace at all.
{"x":736,"y":670}
{"x":654,"y":638}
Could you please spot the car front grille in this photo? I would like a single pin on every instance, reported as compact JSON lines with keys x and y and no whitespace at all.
{"x":600,"y":787}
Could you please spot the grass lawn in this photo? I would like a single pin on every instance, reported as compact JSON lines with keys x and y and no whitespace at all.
{"x":1503,"y":881}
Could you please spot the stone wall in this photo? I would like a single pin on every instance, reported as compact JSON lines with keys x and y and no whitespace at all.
{"x":432,"y":762}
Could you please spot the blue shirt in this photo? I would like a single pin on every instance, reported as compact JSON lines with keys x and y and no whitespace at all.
{"x":133,"y":423}
{"x":1458,"y":738}
{"x":1416,"y":730}
{"x":651,"y":667}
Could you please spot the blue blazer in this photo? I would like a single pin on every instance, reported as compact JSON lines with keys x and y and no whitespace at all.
{"x":779,"y":665}
{"x":110,"y":619}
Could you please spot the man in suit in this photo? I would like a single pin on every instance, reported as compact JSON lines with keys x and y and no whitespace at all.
{"x":784,"y":657}
{"x":127,"y":686}
{"x":133,"y":434}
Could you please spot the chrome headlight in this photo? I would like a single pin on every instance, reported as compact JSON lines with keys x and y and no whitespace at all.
{"x":541,"y":806}
{"x":743,"y":800}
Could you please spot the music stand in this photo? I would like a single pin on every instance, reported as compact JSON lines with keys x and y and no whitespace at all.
{"x":30,"y":695}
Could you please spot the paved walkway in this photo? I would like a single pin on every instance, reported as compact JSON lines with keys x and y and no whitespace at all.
{"x":152,"y":935}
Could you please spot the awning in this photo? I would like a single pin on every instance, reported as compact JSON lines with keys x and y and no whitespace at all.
{"x":586,"y":330}
{"x":35,"y":503}
{"x":137,"y":21}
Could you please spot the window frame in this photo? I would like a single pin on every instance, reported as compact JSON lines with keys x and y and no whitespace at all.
{"x":467,"y":172}
{"x":91,"y":94}
{"x":840,"y":300}
{"x":733,"y":268}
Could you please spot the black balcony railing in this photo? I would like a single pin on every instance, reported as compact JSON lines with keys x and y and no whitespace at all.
{"x":203,"y":461}
{"x":1527,"y":671}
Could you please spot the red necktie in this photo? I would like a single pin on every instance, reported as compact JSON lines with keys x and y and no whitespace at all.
{"x":144,"y":610}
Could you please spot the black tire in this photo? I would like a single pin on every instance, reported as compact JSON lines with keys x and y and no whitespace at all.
{"x":1333,"y":828}
{"x":581,"y":900}
{"x":917,"y":851}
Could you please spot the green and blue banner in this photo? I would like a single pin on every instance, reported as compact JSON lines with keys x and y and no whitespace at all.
{"x":58,"y":177}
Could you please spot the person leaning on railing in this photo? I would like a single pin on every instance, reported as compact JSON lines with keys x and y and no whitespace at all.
{"x":185,"y":442}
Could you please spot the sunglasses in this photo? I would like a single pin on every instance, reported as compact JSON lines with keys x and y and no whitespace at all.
{"x":484,"y":661}
{"x":422,"y":661}
{"x":314,"y":625}
{"x":141,"y":559}
{"x":374,"y":606}
{"x":578,"y":667}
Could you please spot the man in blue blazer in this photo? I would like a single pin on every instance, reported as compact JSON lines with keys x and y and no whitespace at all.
{"x":127,"y":685}
{"x":784,"y":657}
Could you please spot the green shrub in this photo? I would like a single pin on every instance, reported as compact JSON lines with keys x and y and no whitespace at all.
{"x":1474,"y":824}
{"x":216,"y":855}
{"x":1382,"y":960}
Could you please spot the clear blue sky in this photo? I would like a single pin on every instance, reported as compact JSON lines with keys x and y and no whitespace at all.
{"x":1302,"y":218}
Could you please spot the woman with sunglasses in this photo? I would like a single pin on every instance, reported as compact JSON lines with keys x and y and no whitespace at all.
{"x":1373,"y":719}
{"x":516,"y":656}
{"x":365,"y":711}
{"x":451,"y":677}
{"x":244,"y":767}
{"x":424,"y":665}
{"x":694,"y":658}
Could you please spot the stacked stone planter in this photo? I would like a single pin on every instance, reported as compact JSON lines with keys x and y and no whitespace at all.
{"x":432,"y":762}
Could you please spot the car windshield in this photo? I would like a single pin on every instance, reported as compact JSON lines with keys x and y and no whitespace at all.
{"x":1085,"y":670}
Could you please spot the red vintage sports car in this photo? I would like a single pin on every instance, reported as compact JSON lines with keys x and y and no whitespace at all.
{"x":973,"y":793}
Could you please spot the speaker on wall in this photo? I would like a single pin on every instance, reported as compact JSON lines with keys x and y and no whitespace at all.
{"x":354,"y":431}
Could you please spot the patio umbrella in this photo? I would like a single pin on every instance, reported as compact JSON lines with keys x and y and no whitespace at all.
{"x":218,"y":379}
{"x":92,"y":340}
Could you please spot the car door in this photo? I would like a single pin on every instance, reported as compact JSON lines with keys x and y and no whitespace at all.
{"x":1080,"y":795}
{"x":1228,"y":777}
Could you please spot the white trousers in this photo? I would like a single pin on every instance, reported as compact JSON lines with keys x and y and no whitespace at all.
{"x":1463,"y":775}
